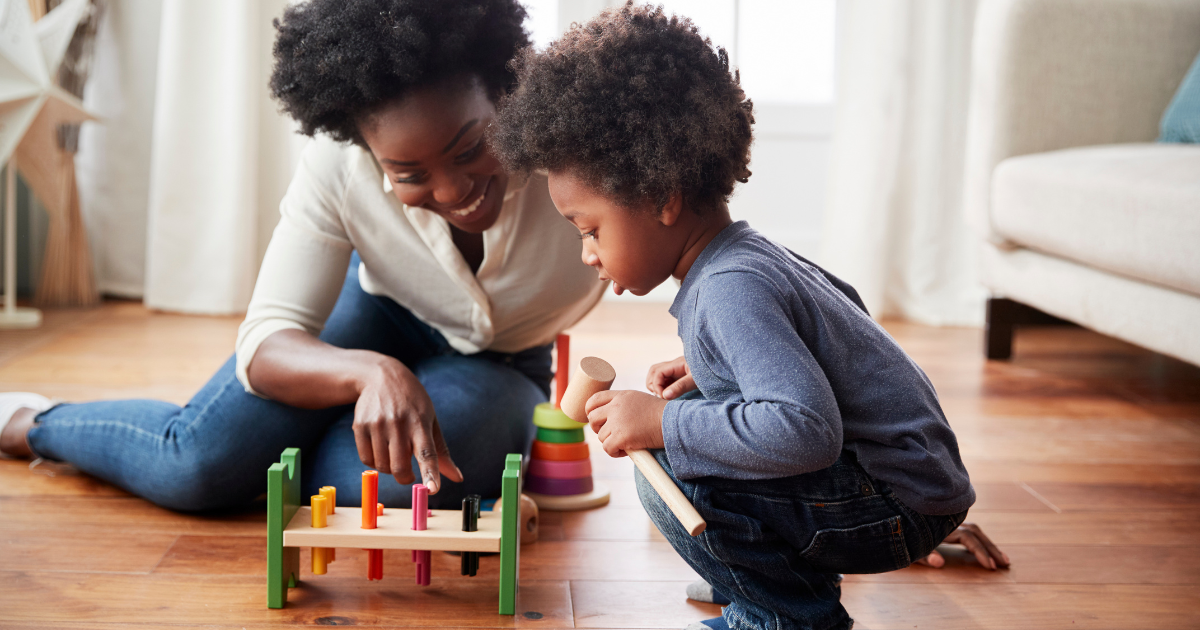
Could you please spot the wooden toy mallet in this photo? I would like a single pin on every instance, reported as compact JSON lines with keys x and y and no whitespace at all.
{"x":596,"y":375}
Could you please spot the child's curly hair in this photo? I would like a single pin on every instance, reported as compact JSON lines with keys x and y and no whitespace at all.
{"x":337,"y":60}
{"x":637,"y":104}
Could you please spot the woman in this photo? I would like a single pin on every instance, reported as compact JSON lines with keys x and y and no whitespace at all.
{"x":454,"y":279}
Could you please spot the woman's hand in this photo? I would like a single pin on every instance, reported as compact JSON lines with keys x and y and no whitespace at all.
{"x":626,"y":420}
{"x":670,"y":380}
{"x":393,"y":416}
{"x":972,"y":537}
{"x":394,"y":420}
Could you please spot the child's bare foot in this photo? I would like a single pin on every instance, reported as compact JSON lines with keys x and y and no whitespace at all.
{"x":17,"y":411}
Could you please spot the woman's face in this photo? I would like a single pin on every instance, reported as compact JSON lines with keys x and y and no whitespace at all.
{"x":431,"y":147}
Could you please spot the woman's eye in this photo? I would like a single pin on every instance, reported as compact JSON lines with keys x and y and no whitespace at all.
{"x":408,"y":179}
{"x":469,"y":154}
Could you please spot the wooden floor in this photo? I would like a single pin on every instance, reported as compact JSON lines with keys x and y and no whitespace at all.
{"x":1085,"y":453}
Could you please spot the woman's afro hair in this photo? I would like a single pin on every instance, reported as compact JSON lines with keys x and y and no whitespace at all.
{"x":339,"y":60}
{"x":637,"y":104}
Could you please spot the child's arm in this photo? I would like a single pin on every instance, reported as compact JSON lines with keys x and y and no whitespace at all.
{"x":786,"y":421}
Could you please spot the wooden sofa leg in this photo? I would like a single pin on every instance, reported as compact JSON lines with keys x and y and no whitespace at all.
{"x":1002,"y":316}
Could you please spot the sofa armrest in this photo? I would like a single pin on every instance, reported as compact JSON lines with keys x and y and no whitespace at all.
{"x":1054,"y":74}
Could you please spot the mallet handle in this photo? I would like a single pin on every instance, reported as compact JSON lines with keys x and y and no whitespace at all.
{"x":668,"y":491}
{"x":596,"y":375}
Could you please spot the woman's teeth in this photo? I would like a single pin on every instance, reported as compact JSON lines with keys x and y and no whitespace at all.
{"x":471,"y":208}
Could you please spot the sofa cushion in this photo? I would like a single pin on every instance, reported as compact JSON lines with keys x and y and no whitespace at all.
{"x":1131,"y":209}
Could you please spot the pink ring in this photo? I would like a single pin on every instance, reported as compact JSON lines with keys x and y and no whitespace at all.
{"x":560,"y":470}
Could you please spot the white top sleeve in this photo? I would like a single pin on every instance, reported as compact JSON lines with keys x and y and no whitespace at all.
{"x":305,"y":263}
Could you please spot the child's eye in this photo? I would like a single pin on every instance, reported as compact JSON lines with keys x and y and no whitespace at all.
{"x":590,"y":234}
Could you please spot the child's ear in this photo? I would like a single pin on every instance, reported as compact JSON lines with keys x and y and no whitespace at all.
{"x":671,"y":210}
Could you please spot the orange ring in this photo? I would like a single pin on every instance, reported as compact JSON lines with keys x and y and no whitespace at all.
{"x":559,"y":452}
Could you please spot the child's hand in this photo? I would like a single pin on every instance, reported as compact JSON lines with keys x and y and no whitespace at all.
{"x":972,"y":537}
{"x":626,"y":420}
{"x":670,"y":380}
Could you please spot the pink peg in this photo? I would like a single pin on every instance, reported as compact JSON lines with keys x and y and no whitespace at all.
{"x":420,"y":506}
{"x":421,"y":512}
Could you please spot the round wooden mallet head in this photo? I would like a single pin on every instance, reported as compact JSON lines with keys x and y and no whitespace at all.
{"x":594,"y":375}
{"x":528,"y":521}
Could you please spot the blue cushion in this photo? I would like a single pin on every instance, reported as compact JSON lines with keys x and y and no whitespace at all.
{"x":1181,"y":121}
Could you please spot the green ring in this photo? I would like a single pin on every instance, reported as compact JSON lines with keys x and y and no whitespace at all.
{"x":558,"y":436}
{"x":547,"y":416}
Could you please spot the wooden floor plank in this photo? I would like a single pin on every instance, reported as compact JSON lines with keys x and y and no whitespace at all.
{"x":1102,"y":497}
{"x":1161,"y":529}
{"x":614,"y":523}
{"x":85,"y":551}
{"x":125,"y":514}
{"x":17,"y":480}
{"x":197,"y":599}
{"x":636,"y":605}
{"x":1059,"y":472}
{"x":881,"y":606}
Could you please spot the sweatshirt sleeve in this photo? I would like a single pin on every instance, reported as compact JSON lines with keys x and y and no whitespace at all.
{"x":305,"y":264}
{"x":786,"y":421}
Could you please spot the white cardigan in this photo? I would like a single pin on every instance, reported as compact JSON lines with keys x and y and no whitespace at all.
{"x":530,"y":286}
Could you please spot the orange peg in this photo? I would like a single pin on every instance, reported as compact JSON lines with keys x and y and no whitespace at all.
{"x":370,"y":497}
{"x":563,"y":346}
{"x":380,"y":506}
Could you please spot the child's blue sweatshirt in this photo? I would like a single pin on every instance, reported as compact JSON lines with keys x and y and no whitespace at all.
{"x":793,"y":370}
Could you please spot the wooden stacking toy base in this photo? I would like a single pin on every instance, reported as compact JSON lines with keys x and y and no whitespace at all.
{"x":569,"y":503}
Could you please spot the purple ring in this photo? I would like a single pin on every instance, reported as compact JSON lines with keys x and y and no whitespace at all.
{"x":558,"y":487}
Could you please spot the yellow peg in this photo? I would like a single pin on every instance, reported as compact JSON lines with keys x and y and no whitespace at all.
{"x":330,"y":493}
{"x":319,"y":561}
{"x":320,"y":512}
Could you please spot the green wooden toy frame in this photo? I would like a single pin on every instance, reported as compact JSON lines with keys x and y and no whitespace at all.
{"x":283,"y":501}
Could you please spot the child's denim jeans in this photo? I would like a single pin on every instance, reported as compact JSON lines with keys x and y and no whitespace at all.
{"x":774,"y":547}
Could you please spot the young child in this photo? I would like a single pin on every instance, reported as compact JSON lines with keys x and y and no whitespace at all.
{"x":814,"y":445}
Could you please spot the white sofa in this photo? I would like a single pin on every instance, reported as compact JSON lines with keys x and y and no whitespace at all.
{"x":1082,"y":215}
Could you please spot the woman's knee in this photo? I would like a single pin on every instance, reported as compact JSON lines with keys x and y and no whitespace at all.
{"x":473,"y":395}
{"x":202,"y":481}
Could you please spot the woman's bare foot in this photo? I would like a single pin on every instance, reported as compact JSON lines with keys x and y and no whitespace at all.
{"x":12,"y":440}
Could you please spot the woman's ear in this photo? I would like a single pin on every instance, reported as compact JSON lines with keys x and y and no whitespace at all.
{"x":671,"y":210}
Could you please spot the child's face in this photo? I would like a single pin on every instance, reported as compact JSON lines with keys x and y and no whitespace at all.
{"x":630,"y":246}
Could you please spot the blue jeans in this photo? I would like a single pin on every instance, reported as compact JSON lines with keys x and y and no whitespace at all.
{"x":214,"y":452}
{"x":774,"y":547}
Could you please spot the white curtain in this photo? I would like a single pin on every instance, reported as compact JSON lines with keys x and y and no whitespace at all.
{"x":185,"y":176}
{"x":894,"y":226}
{"x":112,"y":167}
